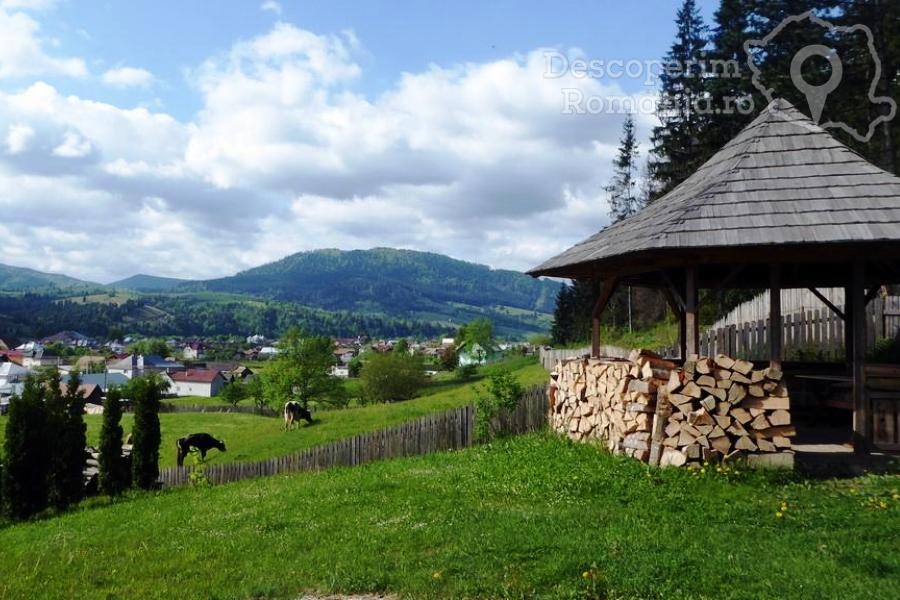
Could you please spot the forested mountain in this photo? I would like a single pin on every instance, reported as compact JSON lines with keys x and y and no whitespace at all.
{"x":387,"y":280}
{"x":380,"y":292}
{"x":18,"y":279}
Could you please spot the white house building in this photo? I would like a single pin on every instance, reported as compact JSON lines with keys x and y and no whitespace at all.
{"x":206,"y":383}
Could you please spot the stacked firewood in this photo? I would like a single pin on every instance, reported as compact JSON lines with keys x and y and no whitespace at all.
{"x":649,"y":408}
{"x":721,"y":407}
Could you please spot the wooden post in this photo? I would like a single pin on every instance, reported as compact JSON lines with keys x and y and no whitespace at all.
{"x":691,"y":318}
{"x":857,"y":300}
{"x":606,"y":292}
{"x":775,"y":329}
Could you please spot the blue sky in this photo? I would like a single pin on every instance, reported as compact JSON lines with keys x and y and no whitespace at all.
{"x":196,"y":139}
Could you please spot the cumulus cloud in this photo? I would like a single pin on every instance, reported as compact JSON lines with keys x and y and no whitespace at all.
{"x":473,"y":160}
{"x":22,"y":52}
{"x":17,"y":138}
{"x":73,"y":146}
{"x":126,"y":77}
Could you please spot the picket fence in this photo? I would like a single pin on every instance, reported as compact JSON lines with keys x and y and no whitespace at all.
{"x":807,"y":335}
{"x":550,"y":356}
{"x":450,"y":430}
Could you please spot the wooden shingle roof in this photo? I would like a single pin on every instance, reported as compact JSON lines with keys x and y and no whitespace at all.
{"x":782,"y":180}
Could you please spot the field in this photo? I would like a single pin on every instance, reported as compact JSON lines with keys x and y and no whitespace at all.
{"x":251,"y":437}
{"x":534,"y":517}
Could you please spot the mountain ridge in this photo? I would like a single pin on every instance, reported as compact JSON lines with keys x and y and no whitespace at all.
{"x":412,"y":286}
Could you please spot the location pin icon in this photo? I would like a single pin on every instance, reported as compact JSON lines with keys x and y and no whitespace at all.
{"x":816,"y":94}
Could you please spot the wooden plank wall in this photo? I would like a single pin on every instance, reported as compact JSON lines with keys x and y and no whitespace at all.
{"x":450,"y":430}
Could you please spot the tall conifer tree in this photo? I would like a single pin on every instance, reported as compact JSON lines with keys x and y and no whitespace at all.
{"x":677,"y":144}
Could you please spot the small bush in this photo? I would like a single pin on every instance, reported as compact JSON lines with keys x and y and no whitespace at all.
{"x":466,"y":372}
{"x":502,"y":392}
{"x":392,"y":377}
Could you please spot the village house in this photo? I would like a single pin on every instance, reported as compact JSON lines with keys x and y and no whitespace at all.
{"x":192,"y":350}
{"x":344,"y":355}
{"x":205,"y":383}
{"x":10,"y":373}
{"x":340,"y":371}
{"x":104,"y":381}
{"x":136,"y":365}
{"x":71,"y":339}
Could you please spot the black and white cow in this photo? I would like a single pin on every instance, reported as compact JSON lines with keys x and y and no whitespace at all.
{"x":293,"y":412}
{"x":201,"y":441}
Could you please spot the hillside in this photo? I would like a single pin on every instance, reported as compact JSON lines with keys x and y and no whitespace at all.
{"x":531,"y":517}
{"x":21,"y":279}
{"x":148,"y":283}
{"x":398,"y":283}
{"x":382,"y":292}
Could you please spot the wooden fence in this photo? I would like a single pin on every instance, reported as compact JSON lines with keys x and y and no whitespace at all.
{"x":550,"y":356}
{"x":450,"y":430}
{"x":809,"y":335}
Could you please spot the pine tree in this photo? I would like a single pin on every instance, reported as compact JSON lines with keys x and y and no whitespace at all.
{"x":732,"y":101}
{"x":55,"y":405}
{"x":145,"y":394}
{"x":623,"y":192}
{"x":26,"y":453}
{"x":677,"y":141}
{"x":71,"y":446}
{"x":882,"y":17}
{"x":114,"y":475}
{"x":561,"y":329}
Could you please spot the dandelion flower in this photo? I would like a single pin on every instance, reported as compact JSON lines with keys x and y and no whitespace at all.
{"x":779,"y":514}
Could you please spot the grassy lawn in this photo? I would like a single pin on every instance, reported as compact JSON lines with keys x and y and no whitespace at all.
{"x":534,"y":517}
{"x":251,"y":437}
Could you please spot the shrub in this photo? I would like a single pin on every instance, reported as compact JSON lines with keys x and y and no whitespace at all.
{"x":233,"y":392}
{"x":466,"y":372}
{"x":502,"y":392}
{"x":27,"y":455}
{"x":115,"y":476}
{"x":392,"y":377}
{"x":449,"y":358}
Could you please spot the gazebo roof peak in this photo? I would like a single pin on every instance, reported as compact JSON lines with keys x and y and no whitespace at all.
{"x":781,"y":180}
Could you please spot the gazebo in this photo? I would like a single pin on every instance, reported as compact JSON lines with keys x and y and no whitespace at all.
{"x":783,"y":205}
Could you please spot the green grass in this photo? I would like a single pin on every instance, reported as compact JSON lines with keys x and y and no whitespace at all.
{"x":526,"y":518}
{"x":251,"y":437}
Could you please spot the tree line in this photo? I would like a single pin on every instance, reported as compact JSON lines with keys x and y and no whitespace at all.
{"x":45,"y":450}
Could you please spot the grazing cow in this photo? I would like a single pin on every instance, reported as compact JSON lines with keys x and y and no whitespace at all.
{"x":201,"y":441}
{"x":293,"y":412}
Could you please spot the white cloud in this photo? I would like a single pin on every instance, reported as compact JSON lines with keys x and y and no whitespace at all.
{"x":73,"y":146}
{"x":32,"y":5}
{"x":17,"y":138}
{"x":271,"y":6}
{"x":22,"y":51}
{"x":125,"y":77}
{"x":474,"y":160}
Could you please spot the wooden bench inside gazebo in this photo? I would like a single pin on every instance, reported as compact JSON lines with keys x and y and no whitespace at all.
{"x":783,"y":205}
